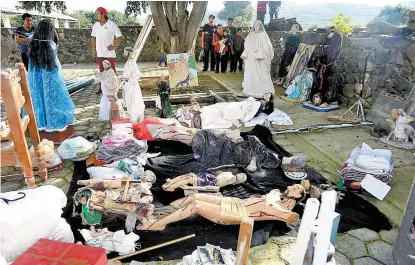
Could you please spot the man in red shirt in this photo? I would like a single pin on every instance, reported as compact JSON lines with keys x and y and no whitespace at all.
{"x":261,"y":10}
{"x":221,"y":56}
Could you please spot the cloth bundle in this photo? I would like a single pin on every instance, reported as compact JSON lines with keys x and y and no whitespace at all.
{"x":118,"y":241}
{"x":214,"y":150}
{"x":75,"y":148}
{"x":207,"y":255}
{"x":365,"y":160}
{"x":130,"y":149}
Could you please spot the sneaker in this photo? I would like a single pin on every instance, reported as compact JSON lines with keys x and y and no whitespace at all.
{"x":204,"y":70}
{"x":240,"y":71}
{"x":217,"y":72}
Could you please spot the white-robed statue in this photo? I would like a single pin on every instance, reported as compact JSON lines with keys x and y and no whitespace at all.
{"x":258,"y":55}
{"x":109,"y":85}
{"x":132,"y":92}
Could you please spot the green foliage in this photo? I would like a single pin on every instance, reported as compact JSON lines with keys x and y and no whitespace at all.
{"x":342,"y":24}
{"x":87,"y":18}
{"x":42,"y":6}
{"x":241,"y":11}
{"x":135,"y":8}
{"x":396,"y":15}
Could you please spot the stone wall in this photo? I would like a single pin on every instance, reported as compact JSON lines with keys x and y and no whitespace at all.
{"x":389,"y":70}
{"x":75,"y":46}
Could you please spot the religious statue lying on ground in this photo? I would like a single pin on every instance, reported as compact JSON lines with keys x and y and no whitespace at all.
{"x":204,"y":179}
{"x":402,"y":134}
{"x":324,"y":60}
{"x":229,"y":210}
{"x":110,"y":103}
{"x":300,"y":87}
{"x":190,"y":114}
{"x":132,"y":92}
{"x":163,"y":98}
{"x":132,"y":198}
{"x":257,"y":56}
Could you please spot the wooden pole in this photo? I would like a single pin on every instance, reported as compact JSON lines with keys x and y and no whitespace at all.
{"x":244,"y":241}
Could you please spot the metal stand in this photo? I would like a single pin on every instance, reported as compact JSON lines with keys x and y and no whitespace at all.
{"x":360,"y":112}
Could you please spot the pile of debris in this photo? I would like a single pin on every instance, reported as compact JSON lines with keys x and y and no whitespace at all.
{"x":282,"y":24}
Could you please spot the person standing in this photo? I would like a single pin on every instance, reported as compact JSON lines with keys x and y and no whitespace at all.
{"x":261,"y":10}
{"x":273,"y":9}
{"x":54,"y":108}
{"x":207,"y":36}
{"x":22,"y":36}
{"x":290,"y":49}
{"x":103,"y":44}
{"x":219,"y":39}
{"x":231,"y":30}
{"x":238,"y":48}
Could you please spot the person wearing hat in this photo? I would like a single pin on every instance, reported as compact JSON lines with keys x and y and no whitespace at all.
{"x":106,"y":37}
{"x":207,"y":35}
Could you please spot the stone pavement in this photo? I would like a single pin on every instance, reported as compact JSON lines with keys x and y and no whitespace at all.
{"x":326,"y":151}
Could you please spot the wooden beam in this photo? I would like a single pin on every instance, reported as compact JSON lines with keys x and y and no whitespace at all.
{"x":244,"y":241}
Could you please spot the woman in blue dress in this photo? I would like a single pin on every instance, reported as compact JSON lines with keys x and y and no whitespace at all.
{"x":54,"y":109}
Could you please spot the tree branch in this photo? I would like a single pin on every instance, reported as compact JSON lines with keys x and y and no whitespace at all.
{"x":196,"y":17}
{"x":160,"y":21}
{"x":171,"y":14}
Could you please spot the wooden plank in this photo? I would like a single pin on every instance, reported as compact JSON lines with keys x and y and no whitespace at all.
{"x":304,"y":233}
{"x":244,"y":241}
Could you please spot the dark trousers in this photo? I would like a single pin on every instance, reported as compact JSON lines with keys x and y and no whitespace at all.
{"x":231,"y":59}
{"x":237,"y":59}
{"x":162,"y":59}
{"x":25,"y":61}
{"x":221,"y":60}
{"x":286,"y":60}
{"x":260,"y":16}
{"x":209,"y":49}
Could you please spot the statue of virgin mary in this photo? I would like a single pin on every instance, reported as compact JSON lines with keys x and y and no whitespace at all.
{"x":258,"y":55}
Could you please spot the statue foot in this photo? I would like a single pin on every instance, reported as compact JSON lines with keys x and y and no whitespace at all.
{"x":150,"y":225}
{"x":293,"y":218}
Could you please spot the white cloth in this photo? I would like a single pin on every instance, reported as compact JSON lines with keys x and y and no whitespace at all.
{"x":368,"y":162}
{"x":291,"y":88}
{"x":277,"y":117}
{"x":105,"y":36}
{"x":224,"y":115}
{"x":106,"y":173}
{"x":373,"y":160}
{"x":25,"y":221}
{"x":257,"y":56}
{"x":109,"y":83}
{"x":133,"y":97}
{"x":118,"y":241}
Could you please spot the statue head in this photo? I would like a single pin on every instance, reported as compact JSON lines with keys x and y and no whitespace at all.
{"x":129,"y":52}
{"x":106,"y":64}
{"x":294,"y":28}
{"x":258,"y":26}
{"x":295,"y":191}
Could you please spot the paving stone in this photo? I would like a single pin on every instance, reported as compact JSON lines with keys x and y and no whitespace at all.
{"x":81,"y":128}
{"x":350,"y":246}
{"x":389,"y":236}
{"x":10,"y":186}
{"x":366,"y":261}
{"x":364,"y":234}
{"x":341,"y":259}
{"x":57,"y":182}
{"x":381,"y":252}
{"x":61,"y":174}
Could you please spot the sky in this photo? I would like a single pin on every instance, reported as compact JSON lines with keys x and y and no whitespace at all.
{"x":214,"y":5}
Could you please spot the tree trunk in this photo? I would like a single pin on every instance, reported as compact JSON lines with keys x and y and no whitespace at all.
{"x":176,"y":31}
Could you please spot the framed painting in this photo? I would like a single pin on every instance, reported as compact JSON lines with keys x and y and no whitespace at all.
{"x":299,"y":63}
{"x":182,"y":70}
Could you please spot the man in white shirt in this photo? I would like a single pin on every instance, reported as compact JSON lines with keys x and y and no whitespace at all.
{"x":106,"y":37}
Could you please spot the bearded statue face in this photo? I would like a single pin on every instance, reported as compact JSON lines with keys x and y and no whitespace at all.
{"x":106,"y":64}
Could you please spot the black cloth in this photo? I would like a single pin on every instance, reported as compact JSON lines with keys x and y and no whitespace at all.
{"x":25,"y":61}
{"x":209,"y":48}
{"x":355,"y":211}
{"x":237,"y":60}
{"x":177,"y":159}
{"x":221,"y":61}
